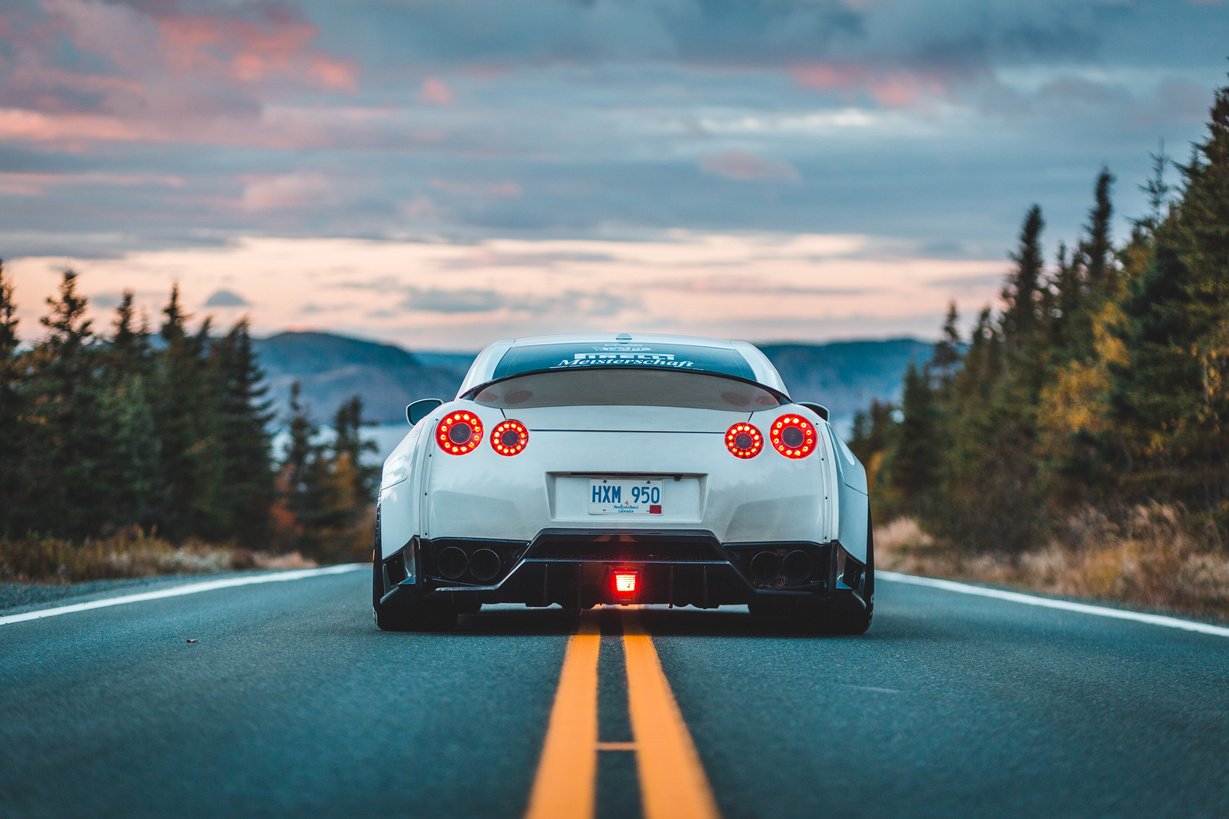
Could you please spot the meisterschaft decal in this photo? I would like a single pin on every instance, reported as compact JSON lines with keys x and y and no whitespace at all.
{"x":625,"y":360}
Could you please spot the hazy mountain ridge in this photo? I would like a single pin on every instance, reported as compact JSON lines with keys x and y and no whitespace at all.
{"x":842,"y":375}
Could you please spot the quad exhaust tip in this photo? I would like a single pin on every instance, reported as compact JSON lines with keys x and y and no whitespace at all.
{"x":452,"y":562}
{"x":484,"y":565}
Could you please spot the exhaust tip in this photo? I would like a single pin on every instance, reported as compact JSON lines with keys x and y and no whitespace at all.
{"x":765,"y":568}
{"x":484,"y":565}
{"x":797,"y":566}
{"x":451,"y":562}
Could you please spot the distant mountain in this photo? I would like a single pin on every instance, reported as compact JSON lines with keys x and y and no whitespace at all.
{"x":334,"y":368}
{"x":845,"y":375}
{"x":842,"y":375}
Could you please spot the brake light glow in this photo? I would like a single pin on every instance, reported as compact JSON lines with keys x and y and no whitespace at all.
{"x":459,"y":432}
{"x":626,"y":582}
{"x":509,"y":437}
{"x":744,"y":441}
{"x":793,"y":436}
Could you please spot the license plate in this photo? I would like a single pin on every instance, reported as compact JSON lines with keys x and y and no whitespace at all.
{"x":625,"y":496}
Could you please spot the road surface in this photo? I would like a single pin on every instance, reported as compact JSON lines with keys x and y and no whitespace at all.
{"x":282,"y":697}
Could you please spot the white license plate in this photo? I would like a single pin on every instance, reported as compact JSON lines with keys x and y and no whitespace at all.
{"x":625,"y":496}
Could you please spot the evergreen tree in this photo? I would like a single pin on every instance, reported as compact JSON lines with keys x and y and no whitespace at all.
{"x":131,"y":466}
{"x":1022,"y":293}
{"x":182,"y":409}
{"x":68,"y":442}
{"x":1098,"y":247}
{"x":348,"y":444}
{"x":11,"y":412}
{"x":948,"y":352}
{"x":243,"y":445}
{"x":912,"y":467}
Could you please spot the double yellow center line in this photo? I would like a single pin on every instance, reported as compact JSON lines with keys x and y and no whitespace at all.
{"x":672,"y":780}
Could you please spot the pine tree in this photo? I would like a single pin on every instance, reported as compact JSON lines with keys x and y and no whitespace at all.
{"x":1022,"y":293}
{"x":1098,"y":248}
{"x":11,"y":411}
{"x":948,"y":352}
{"x":131,"y":465}
{"x":182,"y":404}
{"x":348,"y":443}
{"x":912,"y":468}
{"x":243,"y":445}
{"x":68,"y":442}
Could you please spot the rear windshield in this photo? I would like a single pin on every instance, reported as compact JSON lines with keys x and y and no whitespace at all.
{"x":623,"y":355}
{"x":646,"y":387}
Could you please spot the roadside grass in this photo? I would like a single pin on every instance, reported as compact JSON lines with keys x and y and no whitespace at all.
{"x":1149,"y":558}
{"x":131,"y":552}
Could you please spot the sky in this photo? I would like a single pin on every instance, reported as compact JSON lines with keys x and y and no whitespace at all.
{"x":441,"y":174}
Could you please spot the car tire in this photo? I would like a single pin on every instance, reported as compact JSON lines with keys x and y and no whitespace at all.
{"x":421,"y":615}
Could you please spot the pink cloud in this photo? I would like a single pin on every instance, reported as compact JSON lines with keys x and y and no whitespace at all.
{"x":747,"y":167}
{"x":287,"y":192}
{"x":890,"y":87}
{"x":435,"y":91}
{"x":159,"y":73}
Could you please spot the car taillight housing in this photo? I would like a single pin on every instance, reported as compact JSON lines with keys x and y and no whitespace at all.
{"x":459,"y":432}
{"x":793,"y":436}
{"x":509,"y":437}
{"x":744,"y":441}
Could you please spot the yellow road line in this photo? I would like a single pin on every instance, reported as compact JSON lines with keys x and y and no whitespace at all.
{"x":567,"y":772}
{"x":672,"y":780}
{"x":616,"y":746}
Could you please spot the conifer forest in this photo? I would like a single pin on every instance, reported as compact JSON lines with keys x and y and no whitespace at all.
{"x":133,"y":435}
{"x":1099,"y":388}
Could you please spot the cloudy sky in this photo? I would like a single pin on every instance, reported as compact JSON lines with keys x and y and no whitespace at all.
{"x":440,"y":173}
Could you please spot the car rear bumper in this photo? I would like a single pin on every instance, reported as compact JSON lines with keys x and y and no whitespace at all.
{"x":574,"y":568}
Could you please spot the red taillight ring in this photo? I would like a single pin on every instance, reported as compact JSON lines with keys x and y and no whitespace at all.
{"x":459,"y":432}
{"x":793,"y":436}
{"x":744,"y":441}
{"x":509,"y":437}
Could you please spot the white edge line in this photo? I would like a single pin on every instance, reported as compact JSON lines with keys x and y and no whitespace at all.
{"x":179,"y":591}
{"x":1063,"y":605}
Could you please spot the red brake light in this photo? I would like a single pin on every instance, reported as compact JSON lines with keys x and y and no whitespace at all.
{"x":625,"y":582}
{"x":459,"y":432}
{"x":744,"y":441}
{"x":793,"y":436}
{"x":509,"y":437}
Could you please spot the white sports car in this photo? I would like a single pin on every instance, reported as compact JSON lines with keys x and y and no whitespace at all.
{"x":581,"y":470}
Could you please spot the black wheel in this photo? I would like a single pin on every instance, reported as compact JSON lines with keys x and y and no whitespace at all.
{"x":421,"y":615}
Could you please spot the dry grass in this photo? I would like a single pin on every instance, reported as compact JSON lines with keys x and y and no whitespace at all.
{"x":1150,"y":558}
{"x":128,"y":553}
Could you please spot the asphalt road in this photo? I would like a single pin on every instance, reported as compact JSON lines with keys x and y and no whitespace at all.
{"x":290,"y":701}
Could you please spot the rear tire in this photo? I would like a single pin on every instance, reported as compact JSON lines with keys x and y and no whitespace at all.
{"x":421,"y":615}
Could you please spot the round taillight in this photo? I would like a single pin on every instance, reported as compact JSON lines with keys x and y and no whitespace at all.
{"x":459,"y":432}
{"x":793,"y":436}
{"x":744,"y":441}
{"x":509,"y":437}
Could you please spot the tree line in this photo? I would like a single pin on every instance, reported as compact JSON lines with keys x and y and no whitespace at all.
{"x":1102,"y":380}
{"x":170,"y":431}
